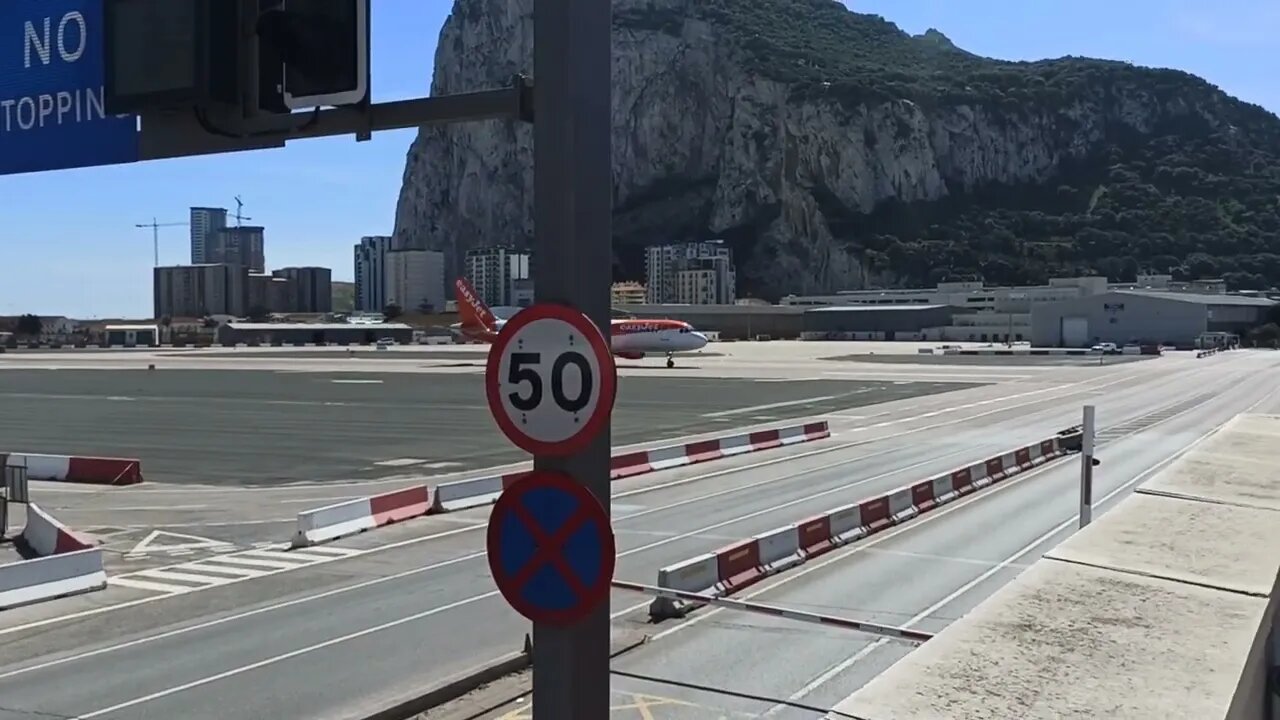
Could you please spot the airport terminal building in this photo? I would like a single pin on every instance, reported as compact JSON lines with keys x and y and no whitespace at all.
{"x":1177,"y":319}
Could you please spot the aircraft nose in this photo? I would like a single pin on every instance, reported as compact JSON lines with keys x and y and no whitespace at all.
{"x":702,"y":339}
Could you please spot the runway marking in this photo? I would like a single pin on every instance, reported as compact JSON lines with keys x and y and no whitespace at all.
{"x":770,"y":406}
{"x":400,"y":462}
{"x":133,"y":508}
{"x":357,"y":382}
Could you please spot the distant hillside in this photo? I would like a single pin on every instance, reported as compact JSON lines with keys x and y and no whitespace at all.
{"x":835,"y":151}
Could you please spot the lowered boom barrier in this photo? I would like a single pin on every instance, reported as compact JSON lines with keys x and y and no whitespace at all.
{"x":888,"y":631}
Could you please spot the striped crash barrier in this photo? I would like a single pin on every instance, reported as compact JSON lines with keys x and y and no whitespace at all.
{"x":67,"y":564}
{"x":733,"y":567}
{"x":77,"y":468}
{"x":354,"y":516}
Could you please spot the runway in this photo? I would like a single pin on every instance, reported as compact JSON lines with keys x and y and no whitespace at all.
{"x":407,"y":610}
{"x":264,"y":428}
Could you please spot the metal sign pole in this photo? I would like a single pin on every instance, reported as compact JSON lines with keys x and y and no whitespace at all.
{"x":1086,"y":468}
{"x":572,"y":259}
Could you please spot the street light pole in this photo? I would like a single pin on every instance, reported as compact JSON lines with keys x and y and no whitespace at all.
{"x":573,"y":231}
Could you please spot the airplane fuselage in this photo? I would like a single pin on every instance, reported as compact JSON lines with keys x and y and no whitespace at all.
{"x":627,"y":337}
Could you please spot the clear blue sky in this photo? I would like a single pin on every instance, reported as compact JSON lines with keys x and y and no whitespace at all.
{"x":68,"y":245}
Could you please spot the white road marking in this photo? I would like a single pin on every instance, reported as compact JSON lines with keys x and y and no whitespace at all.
{"x":135,"y":508}
{"x":928,"y":556}
{"x":273,"y":660}
{"x":356,"y":382}
{"x":154,"y":543}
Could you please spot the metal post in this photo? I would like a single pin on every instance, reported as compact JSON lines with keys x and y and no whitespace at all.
{"x":573,"y":232}
{"x":1086,"y":468}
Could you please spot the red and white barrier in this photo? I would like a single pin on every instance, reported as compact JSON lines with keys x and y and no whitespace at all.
{"x":749,"y":561}
{"x":68,"y":564}
{"x":356,"y":516}
{"x":77,"y":469}
{"x":485,"y":490}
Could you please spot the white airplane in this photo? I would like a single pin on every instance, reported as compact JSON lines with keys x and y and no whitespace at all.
{"x":631,"y":338}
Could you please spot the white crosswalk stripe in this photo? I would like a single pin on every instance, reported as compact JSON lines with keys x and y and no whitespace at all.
{"x":227,"y":568}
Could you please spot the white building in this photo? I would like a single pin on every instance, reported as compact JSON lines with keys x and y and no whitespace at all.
{"x":415,"y":279}
{"x":371,"y":272}
{"x":699,"y":273}
{"x":496,"y":274}
{"x":1000,"y":314}
{"x":204,"y":223}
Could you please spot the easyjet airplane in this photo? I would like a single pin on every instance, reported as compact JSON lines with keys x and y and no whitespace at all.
{"x":631,"y":339}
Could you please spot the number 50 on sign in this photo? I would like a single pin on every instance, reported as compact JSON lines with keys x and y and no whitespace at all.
{"x":550,"y":380}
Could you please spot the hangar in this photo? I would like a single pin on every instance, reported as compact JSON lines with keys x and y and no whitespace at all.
{"x":879,"y":322}
{"x":234,"y":333}
{"x":1177,"y":319}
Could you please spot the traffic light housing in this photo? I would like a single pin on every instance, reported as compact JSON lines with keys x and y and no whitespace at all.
{"x":235,"y":58}
{"x":312,"y":53}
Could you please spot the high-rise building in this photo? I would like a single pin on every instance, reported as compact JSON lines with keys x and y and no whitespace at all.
{"x":240,"y":245}
{"x":496,"y":274}
{"x":205,"y":221}
{"x":268,"y":292}
{"x":415,"y":280}
{"x":712,"y":273}
{"x":200,"y":290}
{"x":371,"y":272}
{"x":310,"y":289}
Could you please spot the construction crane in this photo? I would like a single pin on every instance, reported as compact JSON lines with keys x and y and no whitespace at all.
{"x":238,"y":216}
{"x":155,"y":234}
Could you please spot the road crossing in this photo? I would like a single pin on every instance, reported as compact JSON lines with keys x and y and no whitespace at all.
{"x":228,"y":568}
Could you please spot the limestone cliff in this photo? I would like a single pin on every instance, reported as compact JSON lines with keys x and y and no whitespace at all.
{"x":834,"y":151}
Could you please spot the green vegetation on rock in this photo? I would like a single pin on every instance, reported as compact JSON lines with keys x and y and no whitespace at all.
{"x":1195,"y":193}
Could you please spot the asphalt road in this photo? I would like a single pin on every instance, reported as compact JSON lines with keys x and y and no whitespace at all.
{"x":244,"y":428}
{"x":359,"y":631}
{"x":726,"y":663}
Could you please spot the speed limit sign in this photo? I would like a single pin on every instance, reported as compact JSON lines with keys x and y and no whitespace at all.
{"x":550,"y":380}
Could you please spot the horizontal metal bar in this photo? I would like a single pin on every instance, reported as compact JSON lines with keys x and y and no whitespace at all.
{"x":169,"y":134}
{"x":888,"y":631}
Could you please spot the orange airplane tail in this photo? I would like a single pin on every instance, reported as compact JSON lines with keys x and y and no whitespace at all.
{"x":477,"y":319}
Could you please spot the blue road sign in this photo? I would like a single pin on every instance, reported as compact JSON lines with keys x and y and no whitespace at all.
{"x":52,"y":115}
{"x":551,"y":548}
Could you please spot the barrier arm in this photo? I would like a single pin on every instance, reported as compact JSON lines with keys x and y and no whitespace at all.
{"x":887,"y":631}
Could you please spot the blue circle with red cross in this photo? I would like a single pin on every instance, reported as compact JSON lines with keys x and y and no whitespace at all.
{"x":551,"y":548}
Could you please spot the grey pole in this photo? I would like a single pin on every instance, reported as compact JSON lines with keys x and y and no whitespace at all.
{"x":1086,"y":468}
{"x":573,"y":264}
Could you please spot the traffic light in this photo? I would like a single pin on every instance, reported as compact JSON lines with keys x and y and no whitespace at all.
{"x":234,"y":58}
{"x":312,"y":53}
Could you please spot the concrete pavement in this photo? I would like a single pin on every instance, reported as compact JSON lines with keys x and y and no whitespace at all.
{"x":418,"y":613}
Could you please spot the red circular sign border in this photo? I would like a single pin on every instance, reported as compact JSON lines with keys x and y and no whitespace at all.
{"x":536,"y":480}
{"x":608,"y":379}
